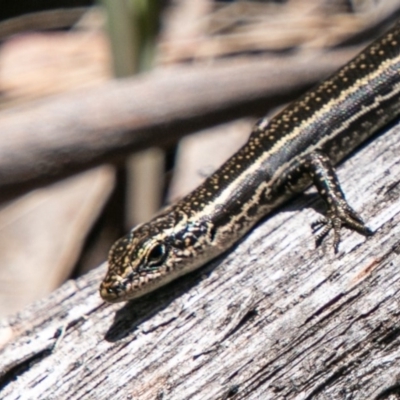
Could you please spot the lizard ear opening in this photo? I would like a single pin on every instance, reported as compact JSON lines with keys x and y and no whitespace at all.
{"x":213,"y":232}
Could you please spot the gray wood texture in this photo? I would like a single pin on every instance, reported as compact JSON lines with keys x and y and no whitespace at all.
{"x":274,"y":318}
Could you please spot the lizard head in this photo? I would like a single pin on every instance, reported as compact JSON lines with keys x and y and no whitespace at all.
{"x":152,"y":255}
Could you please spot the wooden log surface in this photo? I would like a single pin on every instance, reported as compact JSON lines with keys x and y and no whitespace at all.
{"x":51,"y":138}
{"x":274,"y":318}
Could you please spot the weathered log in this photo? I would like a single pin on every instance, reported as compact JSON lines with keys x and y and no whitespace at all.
{"x":274,"y":318}
{"x":56,"y":137}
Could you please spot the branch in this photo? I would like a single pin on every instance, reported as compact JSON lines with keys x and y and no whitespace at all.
{"x":56,"y":137}
{"x":274,"y":318}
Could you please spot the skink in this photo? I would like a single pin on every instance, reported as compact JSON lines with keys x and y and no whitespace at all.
{"x":282,"y":156}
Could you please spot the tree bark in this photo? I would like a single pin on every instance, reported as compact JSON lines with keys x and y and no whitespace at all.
{"x":56,"y":137}
{"x":274,"y":318}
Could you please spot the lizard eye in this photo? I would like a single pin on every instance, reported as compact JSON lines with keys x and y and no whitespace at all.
{"x":156,"y":255}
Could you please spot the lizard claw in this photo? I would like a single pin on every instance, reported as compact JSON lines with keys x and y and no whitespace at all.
{"x":337,"y":216}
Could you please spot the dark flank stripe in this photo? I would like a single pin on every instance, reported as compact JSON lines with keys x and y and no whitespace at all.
{"x":284,"y":155}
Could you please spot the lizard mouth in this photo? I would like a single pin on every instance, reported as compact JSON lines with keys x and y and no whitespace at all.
{"x":112,"y":292}
{"x":122,"y":289}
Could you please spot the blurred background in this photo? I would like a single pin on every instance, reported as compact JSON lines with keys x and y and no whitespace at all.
{"x":112,"y":109}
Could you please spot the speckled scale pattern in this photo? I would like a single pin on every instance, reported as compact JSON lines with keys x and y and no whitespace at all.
{"x":262,"y":139}
{"x":284,"y":155}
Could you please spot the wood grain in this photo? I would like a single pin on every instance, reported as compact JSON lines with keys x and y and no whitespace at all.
{"x":274,"y":318}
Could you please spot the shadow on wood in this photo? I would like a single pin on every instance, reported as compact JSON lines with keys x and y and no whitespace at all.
{"x":274,"y":318}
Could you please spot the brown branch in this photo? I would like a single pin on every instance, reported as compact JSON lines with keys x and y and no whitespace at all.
{"x":49,"y":139}
{"x":41,"y":20}
{"x":272,"y":319}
